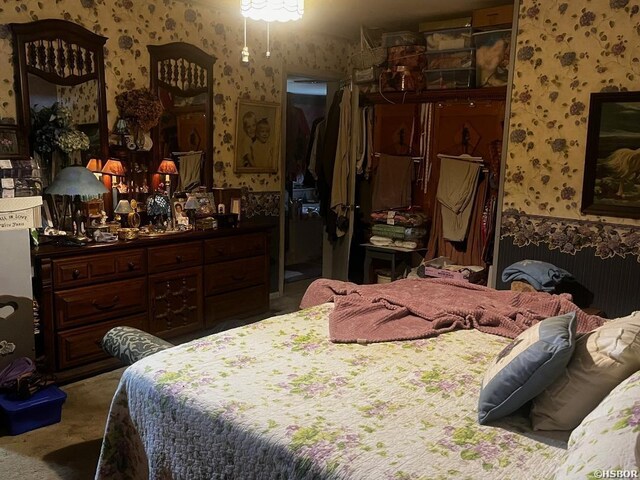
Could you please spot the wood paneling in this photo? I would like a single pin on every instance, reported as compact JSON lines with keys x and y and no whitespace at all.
{"x":614,"y":282}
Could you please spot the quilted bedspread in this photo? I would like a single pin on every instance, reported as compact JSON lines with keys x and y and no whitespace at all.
{"x":278,"y":400}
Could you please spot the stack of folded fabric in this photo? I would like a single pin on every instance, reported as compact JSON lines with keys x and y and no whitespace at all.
{"x":393,"y":228}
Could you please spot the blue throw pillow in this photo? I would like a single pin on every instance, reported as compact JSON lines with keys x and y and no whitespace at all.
{"x":527,"y":366}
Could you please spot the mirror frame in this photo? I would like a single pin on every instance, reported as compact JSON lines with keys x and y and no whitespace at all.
{"x":45,"y":65}
{"x":191,"y":59}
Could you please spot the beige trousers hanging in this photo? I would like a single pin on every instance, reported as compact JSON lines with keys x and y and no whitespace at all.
{"x":456,"y":191}
{"x":189,"y":169}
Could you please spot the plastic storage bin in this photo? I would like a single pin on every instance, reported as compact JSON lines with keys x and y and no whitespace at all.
{"x":453,"y":39}
{"x":411,"y":56}
{"x":401,"y":79}
{"x":442,"y":79}
{"x":451,"y":59}
{"x":43,"y":408}
{"x":395,"y":39}
{"x":492,"y":57}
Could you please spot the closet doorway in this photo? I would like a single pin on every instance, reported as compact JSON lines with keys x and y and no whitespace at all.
{"x":302,"y":247}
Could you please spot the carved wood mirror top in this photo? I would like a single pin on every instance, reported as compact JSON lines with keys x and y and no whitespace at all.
{"x":182,"y":76}
{"x":60,"y":62}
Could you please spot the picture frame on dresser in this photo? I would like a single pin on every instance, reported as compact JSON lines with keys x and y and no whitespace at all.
{"x":12,"y":142}
{"x":257,"y":137}
{"x":611,"y":184}
{"x":179,"y":212}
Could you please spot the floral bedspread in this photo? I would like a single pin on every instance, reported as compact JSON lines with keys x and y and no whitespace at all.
{"x":277,"y":400}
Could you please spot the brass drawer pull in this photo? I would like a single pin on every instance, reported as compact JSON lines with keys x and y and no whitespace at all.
{"x":131,"y":266}
{"x":113,"y":303}
{"x":75,"y":274}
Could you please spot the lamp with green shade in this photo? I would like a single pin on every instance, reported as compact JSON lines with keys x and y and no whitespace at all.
{"x":76,"y":182}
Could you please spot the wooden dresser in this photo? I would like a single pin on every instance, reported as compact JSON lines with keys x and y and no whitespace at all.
{"x":169,"y":286}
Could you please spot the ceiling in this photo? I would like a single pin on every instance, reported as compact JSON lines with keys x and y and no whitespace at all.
{"x":343,"y":18}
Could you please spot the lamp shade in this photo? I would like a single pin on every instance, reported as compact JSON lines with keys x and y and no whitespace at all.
{"x":191,"y":203}
{"x":272,"y":10}
{"x":114,"y":167}
{"x":168,"y":167}
{"x":123,"y":207}
{"x":94,"y":165}
{"x":76,"y":180}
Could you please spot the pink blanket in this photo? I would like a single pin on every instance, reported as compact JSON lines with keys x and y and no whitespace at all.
{"x":419,"y":308}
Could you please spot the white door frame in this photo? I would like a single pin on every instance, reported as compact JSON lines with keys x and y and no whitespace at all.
{"x":291,"y":71}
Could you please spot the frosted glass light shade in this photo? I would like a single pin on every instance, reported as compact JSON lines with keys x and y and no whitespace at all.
{"x":272,"y":10}
{"x":76,"y":180}
{"x":123,"y":207}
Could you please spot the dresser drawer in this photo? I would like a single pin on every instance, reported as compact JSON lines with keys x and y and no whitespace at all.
{"x":225,"y":276}
{"x":171,"y":257}
{"x":78,"y":346}
{"x":239,"y":303}
{"x":71,"y":272}
{"x":85,"y":305}
{"x":175,"y":302}
{"x":229,"y":248}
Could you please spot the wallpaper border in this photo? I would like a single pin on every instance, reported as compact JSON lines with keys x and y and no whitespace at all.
{"x":571,"y":236}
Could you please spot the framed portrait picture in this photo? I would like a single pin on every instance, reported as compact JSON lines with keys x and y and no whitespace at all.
{"x":11,"y":142}
{"x":612,"y":166}
{"x":257,"y":137}
{"x":179,"y":212}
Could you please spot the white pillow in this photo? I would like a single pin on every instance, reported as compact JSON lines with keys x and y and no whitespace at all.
{"x":608,"y":438}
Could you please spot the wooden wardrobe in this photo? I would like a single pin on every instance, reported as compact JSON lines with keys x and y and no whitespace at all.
{"x":463,"y":122}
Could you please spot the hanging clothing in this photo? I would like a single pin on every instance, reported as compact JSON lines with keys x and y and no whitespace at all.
{"x":326,"y":157}
{"x":296,"y":142}
{"x":190,"y":166}
{"x":312,"y":154}
{"x":361,"y":149}
{"x":340,"y":181}
{"x":456,"y":193}
{"x":392,"y":182}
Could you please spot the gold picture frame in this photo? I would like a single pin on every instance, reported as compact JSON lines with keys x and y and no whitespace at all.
{"x":257,"y":145}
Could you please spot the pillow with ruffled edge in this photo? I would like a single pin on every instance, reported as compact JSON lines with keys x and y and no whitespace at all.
{"x":526,"y":367}
{"x":609,"y":437}
{"x":602,"y":359}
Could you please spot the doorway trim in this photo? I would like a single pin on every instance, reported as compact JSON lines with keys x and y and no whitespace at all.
{"x":294,"y":71}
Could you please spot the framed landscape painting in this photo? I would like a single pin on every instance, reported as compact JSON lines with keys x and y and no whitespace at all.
{"x":612,"y":166}
{"x":257,"y":137}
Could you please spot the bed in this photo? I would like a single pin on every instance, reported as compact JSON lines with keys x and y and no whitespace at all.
{"x":278,"y":400}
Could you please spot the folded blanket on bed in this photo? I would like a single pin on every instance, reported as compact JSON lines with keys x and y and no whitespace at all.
{"x":418,"y":308}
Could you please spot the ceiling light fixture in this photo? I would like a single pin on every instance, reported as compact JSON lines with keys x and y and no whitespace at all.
{"x":269,"y":11}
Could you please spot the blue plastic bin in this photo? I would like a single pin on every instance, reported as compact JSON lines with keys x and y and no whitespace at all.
{"x":43,"y":408}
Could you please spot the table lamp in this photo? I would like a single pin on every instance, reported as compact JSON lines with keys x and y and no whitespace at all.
{"x":114,"y":168}
{"x":168,"y":168}
{"x":74,"y":181}
{"x":191,"y":206}
{"x":95,"y":166}
{"x":123,"y":208}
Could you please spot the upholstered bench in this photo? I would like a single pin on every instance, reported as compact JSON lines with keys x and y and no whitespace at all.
{"x":129,"y":344}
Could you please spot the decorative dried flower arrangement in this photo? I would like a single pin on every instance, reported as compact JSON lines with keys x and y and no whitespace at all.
{"x":140,"y":107}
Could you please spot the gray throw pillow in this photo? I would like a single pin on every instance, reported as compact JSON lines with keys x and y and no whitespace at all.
{"x":527,"y":366}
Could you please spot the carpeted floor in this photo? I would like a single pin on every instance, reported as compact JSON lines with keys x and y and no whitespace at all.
{"x":69,"y":450}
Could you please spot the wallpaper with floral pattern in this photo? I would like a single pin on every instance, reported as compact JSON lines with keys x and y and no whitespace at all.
{"x":131,"y":25}
{"x":564,"y":52}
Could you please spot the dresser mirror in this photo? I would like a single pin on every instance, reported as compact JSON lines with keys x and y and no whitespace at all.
{"x":60,"y":89}
{"x":182,"y":76}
